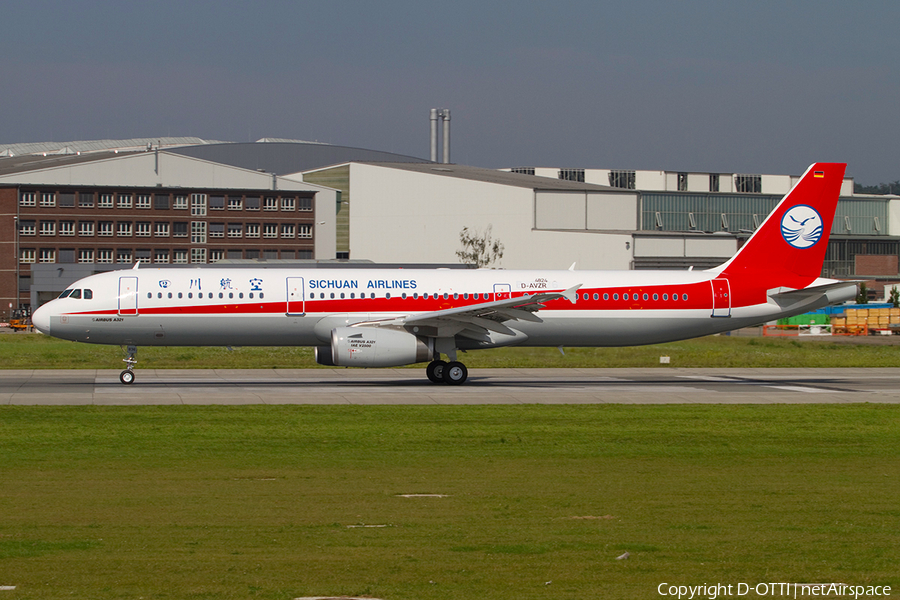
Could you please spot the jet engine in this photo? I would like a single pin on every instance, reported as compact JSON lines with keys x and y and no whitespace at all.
{"x":374,"y":347}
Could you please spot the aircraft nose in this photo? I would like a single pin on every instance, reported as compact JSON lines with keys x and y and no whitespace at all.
{"x":41,"y":319}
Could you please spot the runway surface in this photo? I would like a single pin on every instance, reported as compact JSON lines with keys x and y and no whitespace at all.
{"x":485,"y":386}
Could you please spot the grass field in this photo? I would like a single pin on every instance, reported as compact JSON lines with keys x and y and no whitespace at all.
{"x":282,"y":502}
{"x":30,"y":351}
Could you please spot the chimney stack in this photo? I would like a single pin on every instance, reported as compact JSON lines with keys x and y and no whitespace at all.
{"x":444,"y":115}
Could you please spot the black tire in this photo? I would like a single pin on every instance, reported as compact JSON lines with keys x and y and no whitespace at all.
{"x":455,"y":373}
{"x":435,"y":371}
{"x":126,"y":377}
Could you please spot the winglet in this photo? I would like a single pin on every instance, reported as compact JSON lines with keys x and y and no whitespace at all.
{"x":571,"y":294}
{"x":572,"y":268}
{"x":136,"y":266}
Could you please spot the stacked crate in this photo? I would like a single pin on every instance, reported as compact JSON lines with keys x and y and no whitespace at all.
{"x":874,"y":318}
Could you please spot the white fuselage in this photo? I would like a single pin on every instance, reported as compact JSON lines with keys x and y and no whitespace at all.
{"x":300,"y":307}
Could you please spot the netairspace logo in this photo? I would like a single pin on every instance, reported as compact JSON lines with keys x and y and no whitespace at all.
{"x":801,"y":226}
{"x":773,"y":590}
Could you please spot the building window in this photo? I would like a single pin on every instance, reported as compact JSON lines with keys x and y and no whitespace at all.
{"x":288,"y":231}
{"x":66,"y":256}
{"x":748,"y":184}
{"x":105,"y":228}
{"x":161,"y":202}
{"x":181,"y":203}
{"x":104,"y":256}
{"x":26,"y":256}
{"x":27,"y":228}
{"x":198,"y":232}
{"x":181,"y":257}
{"x":161,"y":229}
{"x":142,"y":256}
{"x":161,"y":257}
{"x":252,"y":230}
{"x":27,"y":199}
{"x":217,"y":230}
{"x":682,"y":182}
{"x":124,"y":229}
{"x":270,"y":230}
{"x":271,"y":203}
{"x":142,"y":229}
{"x":251,"y":202}
{"x":305,"y":204}
{"x":48,"y":227}
{"x":252,"y":254}
{"x":235,"y":230}
{"x":198,"y":256}
{"x":67,"y":200}
{"x":216,"y":255}
{"x":304,"y":254}
{"x":143,"y":201}
{"x":714,"y":182}
{"x":289,"y":204}
{"x":235,"y":203}
{"x":85,"y":256}
{"x":179,"y":229}
{"x":572,"y":174}
{"x":217,"y":202}
{"x":198,"y":205}
{"x":124,"y":202}
{"x":619,"y":178}
{"x":48,"y":255}
{"x":106,"y":201}
{"x":48,"y":199}
{"x":86,"y":200}
{"x":235,"y":254}
{"x":523,"y":170}
{"x":123,"y":256}
{"x":67,"y":228}
{"x":305,"y":232}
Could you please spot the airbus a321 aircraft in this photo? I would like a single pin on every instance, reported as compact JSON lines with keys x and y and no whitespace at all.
{"x":387,"y":318}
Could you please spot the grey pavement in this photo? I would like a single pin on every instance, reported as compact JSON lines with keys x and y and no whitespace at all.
{"x":485,"y":386}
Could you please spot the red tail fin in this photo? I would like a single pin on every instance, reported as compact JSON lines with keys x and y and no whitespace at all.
{"x":789,"y":247}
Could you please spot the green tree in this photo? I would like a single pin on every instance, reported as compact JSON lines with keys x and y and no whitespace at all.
{"x":862,"y":296}
{"x":479,"y":248}
{"x":895,"y":297}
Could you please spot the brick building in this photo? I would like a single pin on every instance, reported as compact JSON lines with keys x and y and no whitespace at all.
{"x":108,"y":208}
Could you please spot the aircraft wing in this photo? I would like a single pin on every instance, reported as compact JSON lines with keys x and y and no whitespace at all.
{"x":477,"y":321}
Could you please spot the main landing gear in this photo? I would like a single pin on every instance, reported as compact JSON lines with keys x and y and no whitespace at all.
{"x":452,"y":373}
{"x":127,"y":376}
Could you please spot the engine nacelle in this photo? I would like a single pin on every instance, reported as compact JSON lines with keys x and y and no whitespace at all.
{"x":374,"y":347}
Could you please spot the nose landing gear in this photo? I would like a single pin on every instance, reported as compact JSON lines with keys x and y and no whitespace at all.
{"x":127,"y":376}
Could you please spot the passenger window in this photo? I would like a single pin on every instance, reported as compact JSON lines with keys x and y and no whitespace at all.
{"x":76,"y":294}
{"x":596,"y":296}
{"x":88,"y":295}
{"x":684,"y":296}
{"x":332,"y":295}
{"x":159,"y":295}
{"x":656,"y":296}
{"x":251,"y":295}
{"x":606,"y":296}
{"x":230,"y":295}
{"x":475,"y":296}
{"x":387,"y":296}
{"x":149,"y":294}
{"x":646,"y":296}
{"x":624,"y":296}
{"x":342,"y":295}
{"x":261,"y":295}
{"x":170,"y":295}
{"x":180,"y":295}
{"x":190,"y":295}
{"x":615,"y":296}
{"x":221,"y":295}
{"x":352,"y":295}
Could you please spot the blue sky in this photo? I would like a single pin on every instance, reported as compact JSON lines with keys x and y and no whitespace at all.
{"x":751,"y":87}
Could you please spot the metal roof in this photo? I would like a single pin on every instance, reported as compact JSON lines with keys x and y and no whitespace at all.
{"x":285,"y":158}
{"x":42,"y":148}
{"x":498,"y":177}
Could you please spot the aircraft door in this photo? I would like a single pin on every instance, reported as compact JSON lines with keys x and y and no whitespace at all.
{"x":128,"y":289}
{"x":502,"y":291}
{"x":721,"y":294}
{"x":296,"y":296}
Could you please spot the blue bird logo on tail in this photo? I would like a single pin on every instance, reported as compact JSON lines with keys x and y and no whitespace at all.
{"x":801,"y":226}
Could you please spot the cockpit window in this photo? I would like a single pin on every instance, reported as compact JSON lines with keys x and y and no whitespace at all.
{"x":76,"y":294}
{"x":88,"y":295}
{"x":66,"y":293}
